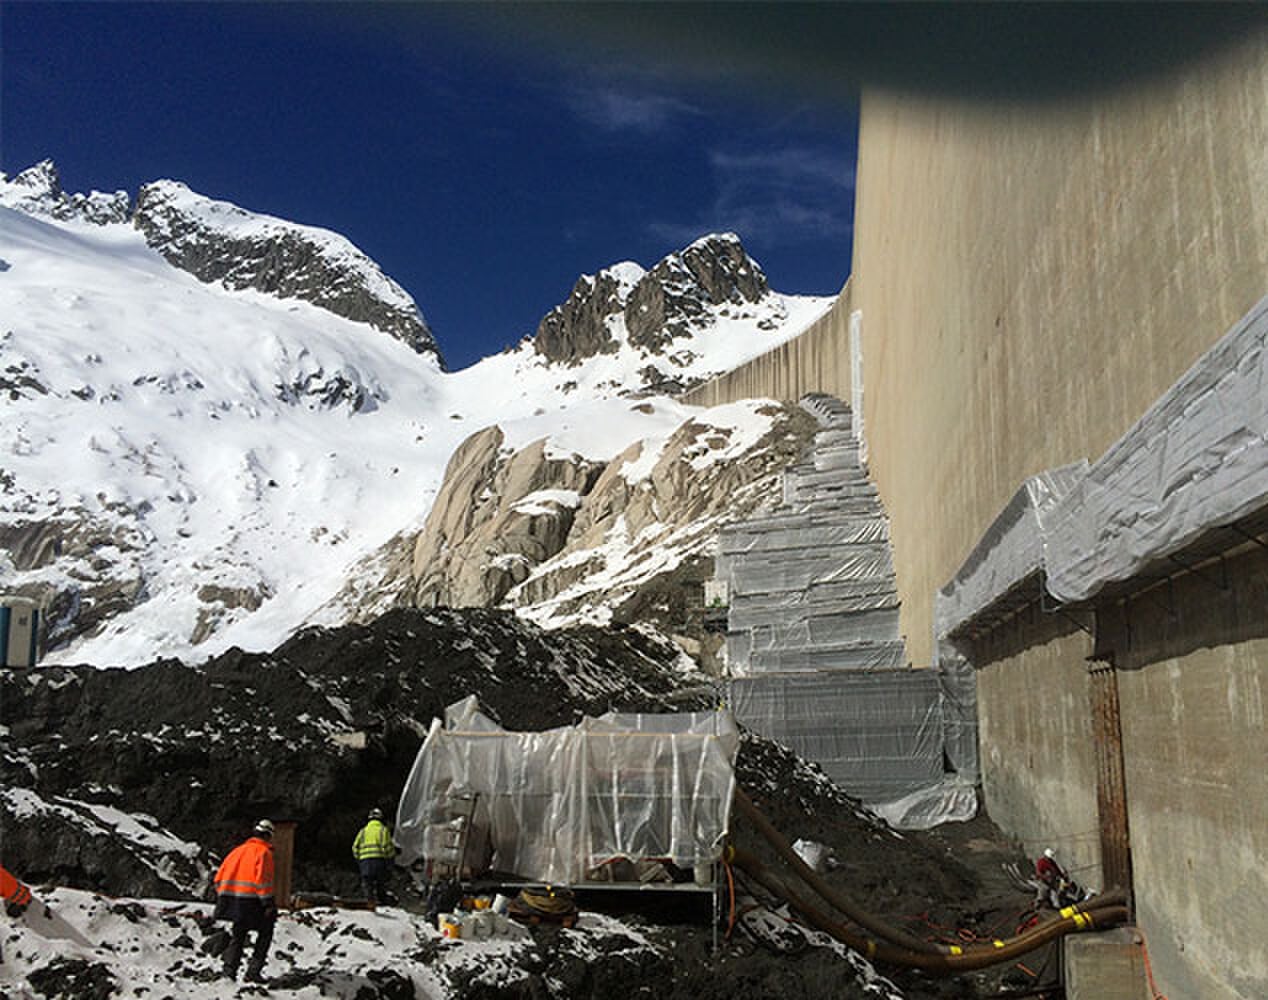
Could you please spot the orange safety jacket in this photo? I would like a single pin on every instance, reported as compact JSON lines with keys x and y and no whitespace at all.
{"x":247,"y":872}
{"x":13,"y":891}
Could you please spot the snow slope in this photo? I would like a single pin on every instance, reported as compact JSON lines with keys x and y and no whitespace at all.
{"x":190,"y":467}
{"x":90,"y":945}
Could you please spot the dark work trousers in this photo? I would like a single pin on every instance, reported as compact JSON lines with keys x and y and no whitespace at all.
{"x":263,"y":938}
{"x":374,"y":877}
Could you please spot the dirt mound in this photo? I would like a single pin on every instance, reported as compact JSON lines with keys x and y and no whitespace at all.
{"x":134,"y":782}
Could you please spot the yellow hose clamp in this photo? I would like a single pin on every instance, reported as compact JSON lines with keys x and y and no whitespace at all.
{"x":955,"y":949}
{"x":1069,"y":911}
{"x":998,"y":943}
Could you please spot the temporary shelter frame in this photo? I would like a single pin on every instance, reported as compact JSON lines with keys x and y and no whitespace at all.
{"x":564,"y":805}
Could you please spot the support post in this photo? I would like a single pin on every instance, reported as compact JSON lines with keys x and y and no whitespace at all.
{"x":1111,"y":784}
{"x":283,"y":861}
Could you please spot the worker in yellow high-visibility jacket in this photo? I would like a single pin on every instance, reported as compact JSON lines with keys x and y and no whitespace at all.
{"x":374,"y":851}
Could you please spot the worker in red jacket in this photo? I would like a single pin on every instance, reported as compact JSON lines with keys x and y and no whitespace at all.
{"x":244,"y":895}
{"x":17,"y":897}
{"x":1056,"y":882}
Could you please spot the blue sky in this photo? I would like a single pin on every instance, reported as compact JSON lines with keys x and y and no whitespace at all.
{"x":484,"y":180}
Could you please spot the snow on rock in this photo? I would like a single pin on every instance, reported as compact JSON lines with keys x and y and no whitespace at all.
{"x":185,"y":467}
{"x":90,"y":945}
{"x":217,"y":241}
{"x":166,"y":444}
{"x":72,"y":834}
{"x":74,"y":944}
{"x":694,"y":314}
{"x":631,"y":521}
{"x":38,"y":191}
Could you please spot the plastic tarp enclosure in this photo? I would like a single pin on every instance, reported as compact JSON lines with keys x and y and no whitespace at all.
{"x":1198,"y":459}
{"x":558,"y":804}
{"x":1011,"y":550}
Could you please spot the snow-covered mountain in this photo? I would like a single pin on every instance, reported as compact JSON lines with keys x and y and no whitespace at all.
{"x":196,"y":456}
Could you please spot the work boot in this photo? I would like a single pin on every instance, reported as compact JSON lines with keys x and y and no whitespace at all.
{"x":255,"y":974}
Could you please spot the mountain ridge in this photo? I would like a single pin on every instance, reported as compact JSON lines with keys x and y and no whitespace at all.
{"x":186,"y":466}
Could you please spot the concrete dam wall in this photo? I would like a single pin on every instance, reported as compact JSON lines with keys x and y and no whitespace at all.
{"x":1030,"y":284}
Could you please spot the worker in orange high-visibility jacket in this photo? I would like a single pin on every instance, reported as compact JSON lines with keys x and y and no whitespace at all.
{"x":17,"y":897}
{"x":244,"y":895}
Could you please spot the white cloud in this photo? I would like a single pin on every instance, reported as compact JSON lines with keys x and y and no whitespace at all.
{"x":780,"y":195}
{"x":618,"y":110}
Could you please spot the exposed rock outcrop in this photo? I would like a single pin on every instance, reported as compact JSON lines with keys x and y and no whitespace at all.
{"x":38,"y":191}
{"x":676,"y":294}
{"x":651,"y":309}
{"x":498,"y":515}
{"x":566,"y":540}
{"x":580,"y":326}
{"x":99,"y":555}
{"x":219,"y":242}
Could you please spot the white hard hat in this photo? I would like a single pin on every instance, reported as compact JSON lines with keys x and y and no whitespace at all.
{"x":376,"y":814}
{"x":1049,"y":853}
{"x":264,"y":826}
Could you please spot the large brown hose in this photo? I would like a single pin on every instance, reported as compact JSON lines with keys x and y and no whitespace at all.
{"x":966,"y":960}
{"x":878,"y":926}
{"x":838,"y":899}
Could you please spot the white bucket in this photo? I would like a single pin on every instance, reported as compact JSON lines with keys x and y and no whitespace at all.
{"x":500,"y":903}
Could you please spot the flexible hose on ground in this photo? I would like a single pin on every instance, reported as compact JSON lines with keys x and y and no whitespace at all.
{"x":836,"y":897}
{"x":855,"y":913}
{"x":962,"y":960}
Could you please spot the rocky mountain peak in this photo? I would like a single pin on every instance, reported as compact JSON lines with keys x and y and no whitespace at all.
{"x":217,"y":241}
{"x":38,"y":191}
{"x":650,"y":309}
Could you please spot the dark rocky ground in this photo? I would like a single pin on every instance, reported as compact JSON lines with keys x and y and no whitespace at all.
{"x":328,"y":725}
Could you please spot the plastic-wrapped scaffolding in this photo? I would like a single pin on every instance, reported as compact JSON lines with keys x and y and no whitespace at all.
{"x":814,"y":646}
{"x":877,"y":734}
{"x":562,"y":806}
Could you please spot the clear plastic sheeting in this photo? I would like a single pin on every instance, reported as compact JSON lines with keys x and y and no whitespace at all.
{"x":800,"y":532}
{"x":953,"y":800}
{"x":763,"y":661}
{"x":813,"y":642}
{"x":559,"y":806}
{"x":878,"y":735}
{"x":827,"y":629}
{"x":958,"y":683}
{"x":1198,"y":459}
{"x":751,"y":611}
{"x":796,"y":569}
{"x":1011,"y":551}
{"x":811,"y":582}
